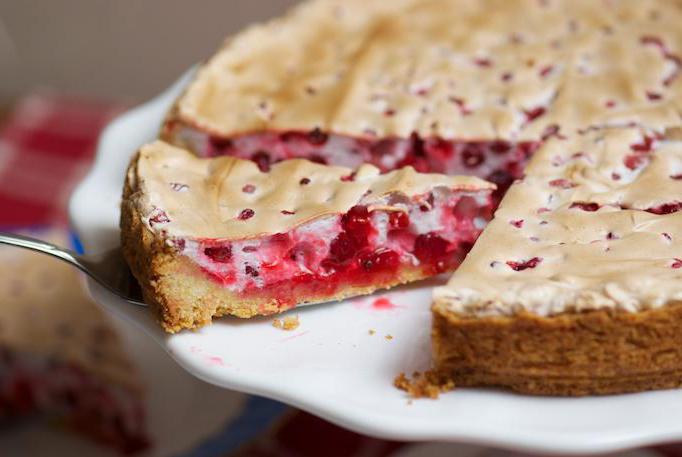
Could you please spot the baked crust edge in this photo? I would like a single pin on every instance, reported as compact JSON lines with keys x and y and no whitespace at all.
{"x":573,"y":354}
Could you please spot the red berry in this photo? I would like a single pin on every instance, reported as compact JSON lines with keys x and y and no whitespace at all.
{"x":652,"y":40}
{"x":249,"y":189}
{"x":398,"y":220}
{"x":430,"y":248}
{"x":343,"y":247}
{"x":159,"y":218}
{"x":220,"y":254}
{"x":384,"y":260}
{"x":545,"y":71}
{"x":466,"y":207}
{"x":635,"y":161}
{"x":348,"y":178}
{"x":302,"y":252}
{"x":500,"y":146}
{"x":317,"y":159}
{"x":520,"y":266}
{"x":552,"y":131}
{"x":281,"y":238}
{"x":439,"y":148}
{"x":645,"y":146}
{"x":472,"y":156}
{"x":262,"y":159}
{"x":382,"y":147}
{"x":220,"y":144}
{"x":246,"y":214}
{"x":317,"y":137}
{"x":356,"y":223}
{"x":562,"y":183}
{"x":179,"y":243}
{"x":534,"y":113}
{"x":666,"y":208}
{"x":502,"y":179}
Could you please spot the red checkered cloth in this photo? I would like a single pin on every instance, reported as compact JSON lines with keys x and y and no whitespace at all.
{"x":46,"y":146}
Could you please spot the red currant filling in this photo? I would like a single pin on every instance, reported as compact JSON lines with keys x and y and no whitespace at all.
{"x":364,"y":247}
{"x":498,"y":161}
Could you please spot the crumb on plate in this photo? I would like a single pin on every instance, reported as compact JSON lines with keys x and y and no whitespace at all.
{"x":423,"y":385}
{"x":288,"y":323}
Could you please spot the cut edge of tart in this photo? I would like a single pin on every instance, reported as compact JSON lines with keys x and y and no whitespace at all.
{"x":212,"y":236}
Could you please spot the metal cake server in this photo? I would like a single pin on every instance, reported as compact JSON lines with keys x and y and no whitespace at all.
{"x":109,"y":268}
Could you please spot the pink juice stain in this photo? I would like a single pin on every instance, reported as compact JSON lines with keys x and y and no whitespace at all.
{"x":382,"y":303}
{"x":295,"y":336}
{"x":215,"y":360}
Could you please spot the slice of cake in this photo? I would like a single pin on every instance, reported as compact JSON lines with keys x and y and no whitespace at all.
{"x":209,"y":237}
{"x":61,"y":358}
{"x":575,"y":287}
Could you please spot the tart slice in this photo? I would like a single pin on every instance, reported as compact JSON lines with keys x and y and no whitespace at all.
{"x":575,"y":287}
{"x":210,"y":237}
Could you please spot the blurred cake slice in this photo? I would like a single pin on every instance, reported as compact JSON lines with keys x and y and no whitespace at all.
{"x":208,"y":237}
{"x":61,"y":358}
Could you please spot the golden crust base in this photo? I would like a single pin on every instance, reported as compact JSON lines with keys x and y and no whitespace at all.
{"x":591,"y":353}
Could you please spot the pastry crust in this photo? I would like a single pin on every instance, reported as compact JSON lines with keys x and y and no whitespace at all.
{"x":586,"y":353}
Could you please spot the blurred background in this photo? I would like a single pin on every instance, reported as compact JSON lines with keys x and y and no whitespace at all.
{"x":113,"y":50}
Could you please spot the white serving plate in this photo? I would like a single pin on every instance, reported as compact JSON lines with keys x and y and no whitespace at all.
{"x":332,"y":366}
